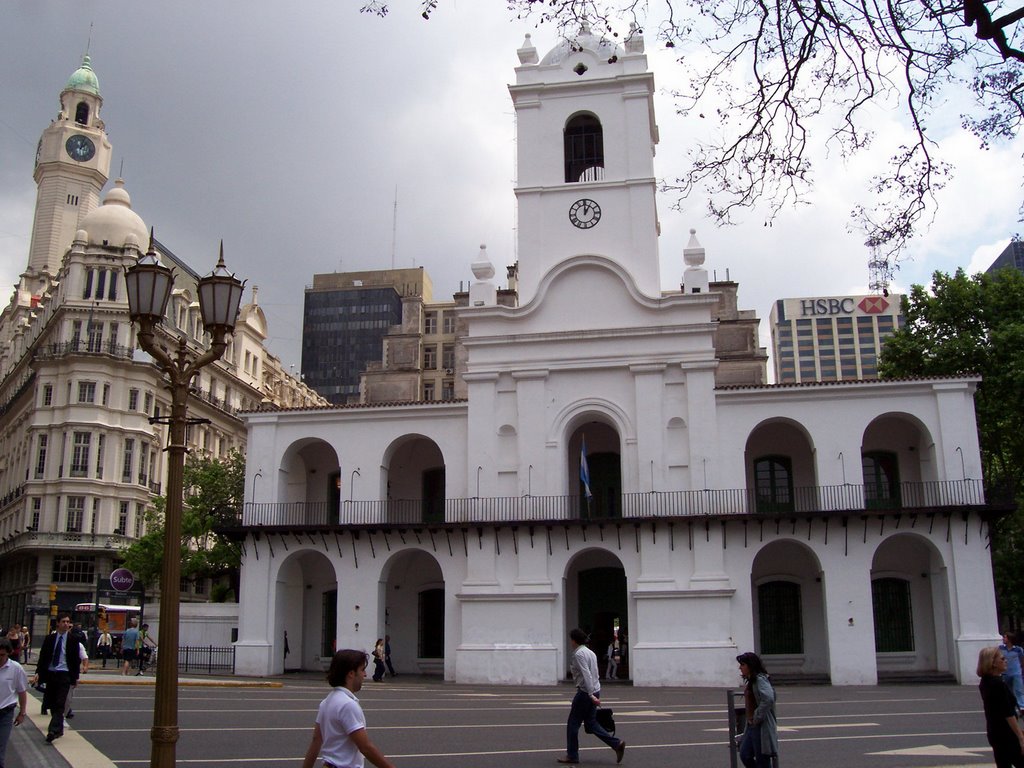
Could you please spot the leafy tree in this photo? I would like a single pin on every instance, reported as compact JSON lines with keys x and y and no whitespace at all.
{"x":771,"y":75}
{"x":214,"y":489}
{"x":975,"y":324}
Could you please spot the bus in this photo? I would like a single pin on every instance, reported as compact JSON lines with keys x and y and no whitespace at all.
{"x":113,"y":618}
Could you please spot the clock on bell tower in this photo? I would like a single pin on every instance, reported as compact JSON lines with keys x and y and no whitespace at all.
{"x":72,"y":165}
{"x":585,"y":180}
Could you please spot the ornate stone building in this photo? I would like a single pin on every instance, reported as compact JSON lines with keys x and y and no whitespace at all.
{"x":80,"y":458}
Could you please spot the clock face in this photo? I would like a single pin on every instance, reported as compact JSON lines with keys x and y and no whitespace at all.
{"x":584,"y":214}
{"x":80,"y":148}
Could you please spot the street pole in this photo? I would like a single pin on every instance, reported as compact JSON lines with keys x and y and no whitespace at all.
{"x":149,"y":286}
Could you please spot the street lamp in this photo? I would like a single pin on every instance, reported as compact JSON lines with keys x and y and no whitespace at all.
{"x":149,"y":285}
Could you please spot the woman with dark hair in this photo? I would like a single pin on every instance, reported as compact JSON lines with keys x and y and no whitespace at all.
{"x":761,"y":738}
{"x":1004,"y":733}
{"x":378,"y":660}
{"x":339,"y":736}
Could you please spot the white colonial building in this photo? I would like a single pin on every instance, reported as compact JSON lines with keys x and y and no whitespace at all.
{"x":839,"y":529}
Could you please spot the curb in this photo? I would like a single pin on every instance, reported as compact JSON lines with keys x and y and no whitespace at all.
{"x":182,"y":682}
{"x":72,"y":746}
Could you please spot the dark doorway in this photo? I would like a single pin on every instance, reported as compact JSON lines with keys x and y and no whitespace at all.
{"x":433,"y":495}
{"x":603,"y":612}
{"x":430,"y":644}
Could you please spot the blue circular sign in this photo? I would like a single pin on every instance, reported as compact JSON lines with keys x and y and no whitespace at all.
{"x":122,"y":580}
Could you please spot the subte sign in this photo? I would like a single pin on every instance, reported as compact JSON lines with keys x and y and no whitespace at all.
{"x":122,"y":580}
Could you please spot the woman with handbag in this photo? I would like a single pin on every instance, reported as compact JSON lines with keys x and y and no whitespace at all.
{"x":761,"y":738}
{"x":378,"y":660}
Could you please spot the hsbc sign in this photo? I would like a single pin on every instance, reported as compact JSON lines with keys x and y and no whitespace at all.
{"x":871,"y":305}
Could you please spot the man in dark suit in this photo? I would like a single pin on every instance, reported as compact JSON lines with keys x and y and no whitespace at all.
{"x":58,"y":666}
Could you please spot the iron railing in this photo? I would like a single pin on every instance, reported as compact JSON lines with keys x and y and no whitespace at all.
{"x":206,"y":658}
{"x":83,"y":346}
{"x":652,"y":504}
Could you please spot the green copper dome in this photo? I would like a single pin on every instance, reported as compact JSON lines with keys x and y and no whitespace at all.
{"x":84,"y":79}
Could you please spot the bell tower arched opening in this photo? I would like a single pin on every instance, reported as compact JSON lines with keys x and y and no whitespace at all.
{"x":584,"y":149}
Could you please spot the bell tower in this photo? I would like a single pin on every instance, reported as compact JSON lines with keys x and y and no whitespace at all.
{"x":585,"y":167}
{"x":72,"y":165}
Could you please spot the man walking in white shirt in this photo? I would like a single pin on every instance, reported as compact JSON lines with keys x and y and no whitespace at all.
{"x":13,"y":695}
{"x":583,"y":666}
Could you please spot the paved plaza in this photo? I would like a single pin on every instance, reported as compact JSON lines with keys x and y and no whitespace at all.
{"x":425,"y":723}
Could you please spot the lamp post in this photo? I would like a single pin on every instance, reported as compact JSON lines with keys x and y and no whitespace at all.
{"x":149,"y":285}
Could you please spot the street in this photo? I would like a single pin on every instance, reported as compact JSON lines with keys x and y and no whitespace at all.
{"x":425,"y":723}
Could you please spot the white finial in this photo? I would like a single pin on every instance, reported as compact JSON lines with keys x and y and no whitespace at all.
{"x":482,"y":268}
{"x":527,"y":53}
{"x":693,"y":254}
{"x":255,"y":295}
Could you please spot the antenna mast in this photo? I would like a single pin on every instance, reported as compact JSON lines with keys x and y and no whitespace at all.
{"x":394,"y":228}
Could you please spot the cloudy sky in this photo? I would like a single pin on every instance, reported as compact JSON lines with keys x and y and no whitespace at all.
{"x":288,"y":129}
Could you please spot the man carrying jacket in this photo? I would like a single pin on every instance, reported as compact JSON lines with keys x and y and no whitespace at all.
{"x":58,"y":666}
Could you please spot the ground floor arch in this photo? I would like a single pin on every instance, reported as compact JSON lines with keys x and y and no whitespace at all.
{"x":596,"y":601}
{"x":910,"y":606}
{"x":306,"y":610}
{"x":788,"y":603}
{"x":413,"y":599}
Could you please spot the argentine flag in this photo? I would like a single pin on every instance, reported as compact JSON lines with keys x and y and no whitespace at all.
{"x":584,"y":469}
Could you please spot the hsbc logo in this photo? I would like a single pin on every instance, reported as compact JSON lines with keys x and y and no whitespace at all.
{"x":869,"y":305}
{"x":873,"y":305}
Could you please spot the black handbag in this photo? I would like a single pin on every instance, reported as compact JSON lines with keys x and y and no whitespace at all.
{"x":605,"y":719}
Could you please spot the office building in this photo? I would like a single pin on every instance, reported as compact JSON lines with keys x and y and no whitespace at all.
{"x":345,"y":318}
{"x":831,"y":338}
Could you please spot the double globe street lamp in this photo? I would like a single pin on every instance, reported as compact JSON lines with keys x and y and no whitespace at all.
{"x":149,"y":284}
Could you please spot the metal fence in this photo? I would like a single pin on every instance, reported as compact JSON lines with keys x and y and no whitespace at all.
{"x":662,"y":504}
{"x":206,"y":658}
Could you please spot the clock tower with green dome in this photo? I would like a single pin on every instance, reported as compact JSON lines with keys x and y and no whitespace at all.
{"x":72,"y":165}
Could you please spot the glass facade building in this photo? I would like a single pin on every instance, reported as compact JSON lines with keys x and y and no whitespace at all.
{"x":345,"y":319}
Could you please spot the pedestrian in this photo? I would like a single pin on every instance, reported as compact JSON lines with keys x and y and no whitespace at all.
{"x":1013,"y":654}
{"x":13,"y":694}
{"x":105,"y":646}
{"x":1001,"y":726}
{"x":14,"y":638}
{"x":145,"y":645}
{"x":287,"y":650}
{"x":339,"y":736}
{"x":387,"y":655}
{"x":378,"y":660}
{"x":761,"y":738}
{"x":26,"y":644}
{"x":83,"y":657}
{"x":583,"y":666}
{"x":613,"y":660}
{"x":129,"y":646}
{"x":58,"y":666}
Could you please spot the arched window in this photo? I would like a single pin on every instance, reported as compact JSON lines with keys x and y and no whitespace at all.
{"x":584,"y":149}
{"x":780,"y":617}
{"x":82,"y":113}
{"x":881,"y":480}
{"x":894,"y":622}
{"x":773,"y":484}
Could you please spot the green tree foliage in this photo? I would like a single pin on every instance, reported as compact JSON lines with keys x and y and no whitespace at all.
{"x":214,"y":489}
{"x":975,"y":324}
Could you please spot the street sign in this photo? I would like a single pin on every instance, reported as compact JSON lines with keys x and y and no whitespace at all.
{"x":122,"y":580}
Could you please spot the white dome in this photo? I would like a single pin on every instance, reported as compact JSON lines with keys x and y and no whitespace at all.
{"x":113,"y":222}
{"x":585,"y":40}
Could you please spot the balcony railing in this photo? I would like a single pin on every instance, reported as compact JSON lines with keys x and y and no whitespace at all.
{"x":654,"y":504}
{"x":84,"y":346}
